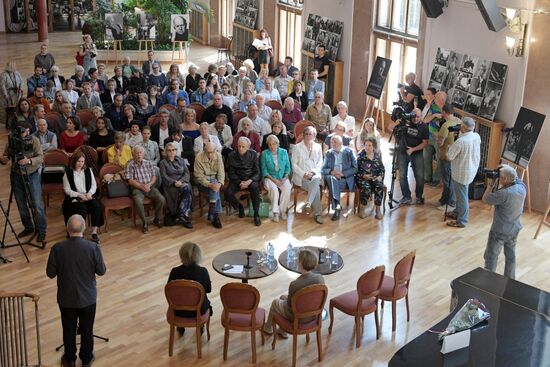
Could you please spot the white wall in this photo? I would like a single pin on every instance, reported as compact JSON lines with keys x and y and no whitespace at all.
{"x":341,"y":10}
{"x":461,"y":28}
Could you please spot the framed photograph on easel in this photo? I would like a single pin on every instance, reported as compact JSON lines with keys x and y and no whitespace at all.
{"x":521,"y":142}
{"x":378,"y":77}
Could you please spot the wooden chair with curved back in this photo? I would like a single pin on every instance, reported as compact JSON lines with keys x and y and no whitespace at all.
{"x":241,"y":313}
{"x":85,"y":117}
{"x":360,"y":302}
{"x":51,"y":118}
{"x":91,"y":155}
{"x":108,"y":203}
{"x":397,"y":287}
{"x":226,"y":49}
{"x":153,"y":120}
{"x":53,"y":158}
{"x":237,"y":116}
{"x":186,"y":295}
{"x":299,"y":129}
{"x":168,"y":107}
{"x":274,"y":105}
{"x":307,"y":303}
{"x":199,"y":110}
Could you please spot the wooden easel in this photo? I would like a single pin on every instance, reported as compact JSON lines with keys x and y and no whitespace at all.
{"x":182,"y":50}
{"x":146,"y":48}
{"x":117,"y":46}
{"x":544,"y":216}
{"x":369,"y":110}
{"x":523,"y":174}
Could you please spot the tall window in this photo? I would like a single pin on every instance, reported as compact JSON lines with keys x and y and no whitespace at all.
{"x":396,"y":29}
{"x":227,"y":14}
{"x":289,"y":40}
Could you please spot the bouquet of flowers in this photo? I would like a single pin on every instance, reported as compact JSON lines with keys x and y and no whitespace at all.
{"x":472,"y":313}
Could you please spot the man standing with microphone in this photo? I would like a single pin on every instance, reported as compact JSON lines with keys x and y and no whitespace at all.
{"x":75,"y":262}
{"x":464,"y":155}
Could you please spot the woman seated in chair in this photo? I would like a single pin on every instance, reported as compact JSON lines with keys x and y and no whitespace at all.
{"x":72,"y":137}
{"x":119,"y":153}
{"x":176,"y":187}
{"x":80,"y":193}
{"x":191,"y":256}
{"x":275,"y":166}
{"x":307,"y":261}
{"x":277,"y":130}
{"x":98,"y":112}
{"x":102,"y":137}
{"x":370,"y":178}
{"x":190,"y":128}
{"x":368,"y":129}
{"x":144,"y":110}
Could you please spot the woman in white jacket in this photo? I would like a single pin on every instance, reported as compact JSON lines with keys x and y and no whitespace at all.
{"x":307,"y":161}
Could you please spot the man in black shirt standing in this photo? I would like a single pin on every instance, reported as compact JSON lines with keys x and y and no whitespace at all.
{"x":321,"y":62}
{"x":75,"y":262}
{"x":416,"y":139}
{"x":411,"y":91}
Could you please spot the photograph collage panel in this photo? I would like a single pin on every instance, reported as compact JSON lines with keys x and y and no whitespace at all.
{"x":471,"y":83}
{"x":246,"y":13}
{"x":322,"y":30}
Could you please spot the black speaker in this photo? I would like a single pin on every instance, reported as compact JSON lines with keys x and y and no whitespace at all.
{"x":491,"y":14}
{"x":432,"y":8}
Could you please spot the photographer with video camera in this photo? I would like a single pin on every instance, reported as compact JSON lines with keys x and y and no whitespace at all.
{"x":25,"y":153}
{"x":445,"y":138}
{"x":508,"y":201}
{"x":464,"y":155}
{"x":414,"y":136}
{"x":410,"y":91}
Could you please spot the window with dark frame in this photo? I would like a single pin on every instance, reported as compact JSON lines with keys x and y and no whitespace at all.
{"x":289,"y":37}
{"x":396,"y":29}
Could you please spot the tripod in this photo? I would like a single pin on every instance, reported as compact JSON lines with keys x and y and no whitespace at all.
{"x":30,"y":204}
{"x":78,"y":333}
{"x":8,"y":222}
{"x":399,"y":137}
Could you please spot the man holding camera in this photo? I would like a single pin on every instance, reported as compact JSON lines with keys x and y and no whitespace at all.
{"x":28,"y":158}
{"x":464,"y":155}
{"x":410,"y":91}
{"x":445,"y":138}
{"x":415,"y":139}
{"x":434,"y":118}
{"x":508,"y":201}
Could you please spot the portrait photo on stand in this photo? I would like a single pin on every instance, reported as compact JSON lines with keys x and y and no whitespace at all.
{"x":114,"y":27}
{"x":146,"y":27}
{"x":522,"y":140}
{"x":378,"y":77}
{"x":179,"y":27}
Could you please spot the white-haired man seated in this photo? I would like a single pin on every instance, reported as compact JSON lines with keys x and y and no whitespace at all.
{"x":142,"y":177}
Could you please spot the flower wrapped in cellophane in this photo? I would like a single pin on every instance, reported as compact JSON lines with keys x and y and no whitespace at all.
{"x":472,"y":313}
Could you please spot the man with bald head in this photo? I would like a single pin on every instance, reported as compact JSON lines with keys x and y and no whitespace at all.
{"x":75,"y":262}
{"x":142,"y":178}
{"x":244,"y":174}
{"x":210,"y":175}
{"x":48,"y":140}
{"x":434,"y":119}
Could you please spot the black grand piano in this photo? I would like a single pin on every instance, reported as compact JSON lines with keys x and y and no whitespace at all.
{"x":516,"y":335}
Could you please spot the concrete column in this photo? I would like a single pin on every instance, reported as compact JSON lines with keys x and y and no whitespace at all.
{"x":42,"y":20}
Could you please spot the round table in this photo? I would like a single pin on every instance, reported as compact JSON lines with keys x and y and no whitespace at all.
{"x":324,"y":267}
{"x":238,"y":257}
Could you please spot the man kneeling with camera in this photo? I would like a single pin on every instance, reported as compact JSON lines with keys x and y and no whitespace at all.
{"x":508,"y":201}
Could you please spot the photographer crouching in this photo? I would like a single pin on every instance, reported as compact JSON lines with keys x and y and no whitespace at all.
{"x":464,"y":155}
{"x":508,"y":202}
{"x":412,"y":137}
{"x":25,"y":153}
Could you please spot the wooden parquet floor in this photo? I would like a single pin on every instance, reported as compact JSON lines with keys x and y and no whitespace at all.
{"x":131,"y":305}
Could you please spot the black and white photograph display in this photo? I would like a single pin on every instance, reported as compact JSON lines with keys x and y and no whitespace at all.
{"x":179,"y":27}
{"x":471,"y":83}
{"x":246,"y":13}
{"x":325,"y":31}
{"x":146,"y":27}
{"x":378,"y":77}
{"x":522,"y":140}
{"x":113,"y":27}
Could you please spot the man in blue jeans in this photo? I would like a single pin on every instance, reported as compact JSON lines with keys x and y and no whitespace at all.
{"x":464,"y":155}
{"x":29,"y":158}
{"x":508,"y":202}
{"x":416,"y":139}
